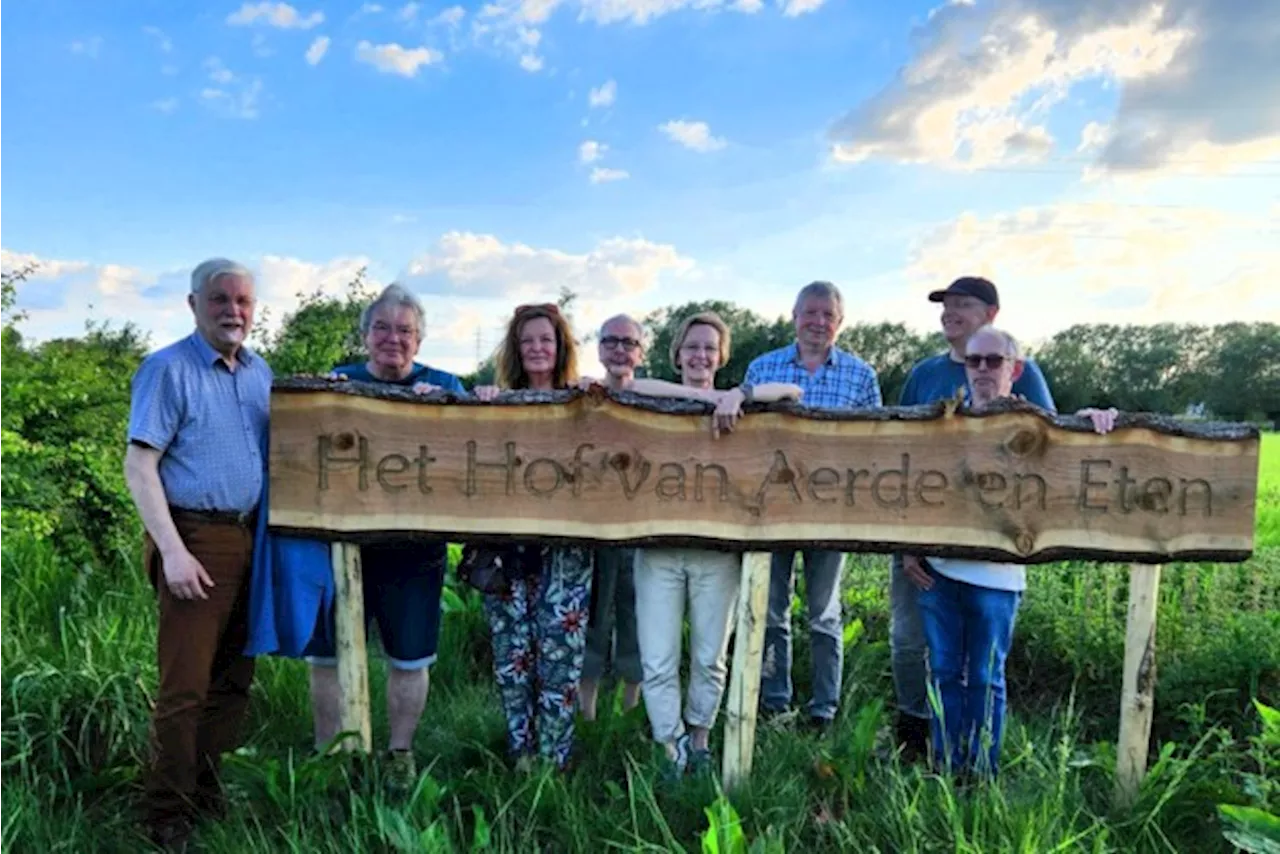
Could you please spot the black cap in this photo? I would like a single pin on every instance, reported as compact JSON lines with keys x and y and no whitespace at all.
{"x":969,"y":286}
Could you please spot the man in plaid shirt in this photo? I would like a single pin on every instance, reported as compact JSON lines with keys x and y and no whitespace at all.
{"x":831,"y":379}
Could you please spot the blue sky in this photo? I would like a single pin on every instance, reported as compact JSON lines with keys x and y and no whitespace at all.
{"x":644,"y":152}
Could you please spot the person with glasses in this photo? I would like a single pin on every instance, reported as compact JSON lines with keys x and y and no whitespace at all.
{"x":968,"y":607}
{"x":403,"y":579}
{"x":968,"y":304}
{"x":195,"y":465}
{"x":613,"y":593}
{"x":538,"y":615}
{"x":667,"y":578}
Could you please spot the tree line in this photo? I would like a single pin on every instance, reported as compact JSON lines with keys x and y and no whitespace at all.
{"x":1230,"y":371}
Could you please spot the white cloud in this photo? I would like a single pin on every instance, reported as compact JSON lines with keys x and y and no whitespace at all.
{"x":695,"y":136}
{"x":1191,"y":75}
{"x":450,"y":17}
{"x":747,"y":7}
{"x":1102,"y":262}
{"x":531,"y":62}
{"x":56,"y":295}
{"x":395,"y":59}
{"x":279,"y":15}
{"x":604,"y":175}
{"x":318,"y":49}
{"x":370,"y":9}
{"x":591,"y":151}
{"x":1093,"y":137}
{"x":796,"y":8}
{"x":89,"y":47}
{"x":409,"y":12}
{"x":218,"y":72}
{"x":603,"y":95}
{"x":239,"y":102}
{"x":163,"y":41}
{"x":165,"y":105}
{"x":482,"y":266}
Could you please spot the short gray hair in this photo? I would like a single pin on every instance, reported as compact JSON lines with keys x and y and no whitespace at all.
{"x":820,"y":290}
{"x":206,"y":271}
{"x":1011,"y":347}
{"x":620,"y":318}
{"x":394,"y":295}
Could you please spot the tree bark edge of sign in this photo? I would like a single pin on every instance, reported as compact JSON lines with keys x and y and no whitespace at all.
{"x":361,"y":463}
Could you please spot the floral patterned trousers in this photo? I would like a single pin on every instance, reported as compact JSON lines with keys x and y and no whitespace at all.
{"x":539,"y":629}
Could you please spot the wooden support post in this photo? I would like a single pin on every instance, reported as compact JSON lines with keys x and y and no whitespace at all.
{"x":1137,"y":698}
{"x":353,"y":663}
{"x":748,"y":656}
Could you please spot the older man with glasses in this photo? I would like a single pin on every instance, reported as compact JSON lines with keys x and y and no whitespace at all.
{"x":968,"y":304}
{"x":195,"y":467}
{"x":613,"y":591}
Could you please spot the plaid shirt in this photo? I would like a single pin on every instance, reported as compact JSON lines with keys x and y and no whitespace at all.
{"x":843,"y":382}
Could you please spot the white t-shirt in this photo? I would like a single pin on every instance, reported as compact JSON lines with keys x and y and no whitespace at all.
{"x":996,"y":576}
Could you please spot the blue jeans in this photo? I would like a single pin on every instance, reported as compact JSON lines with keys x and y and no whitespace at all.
{"x":970,"y":631}
{"x":826,"y":632}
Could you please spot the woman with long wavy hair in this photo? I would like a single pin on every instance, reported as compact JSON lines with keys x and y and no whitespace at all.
{"x":538,"y":616}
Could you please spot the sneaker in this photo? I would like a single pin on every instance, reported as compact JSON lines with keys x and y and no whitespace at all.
{"x":678,"y":764}
{"x":700,"y":761}
{"x":401,"y":772}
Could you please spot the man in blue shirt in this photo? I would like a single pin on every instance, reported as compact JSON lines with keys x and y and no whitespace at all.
{"x":831,"y":379}
{"x":403,"y":579}
{"x":968,"y":304}
{"x":195,"y":468}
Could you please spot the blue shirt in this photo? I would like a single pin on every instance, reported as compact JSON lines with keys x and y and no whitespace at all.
{"x":420,"y":374}
{"x":292,"y":582}
{"x":843,"y":381}
{"x":938,"y":378}
{"x":208,"y":422}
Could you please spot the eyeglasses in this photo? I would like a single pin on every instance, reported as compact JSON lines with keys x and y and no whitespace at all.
{"x":383,"y":328}
{"x":994,"y":361}
{"x":613,"y":342}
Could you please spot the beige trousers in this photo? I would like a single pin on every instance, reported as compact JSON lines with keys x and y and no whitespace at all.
{"x":665,"y":580}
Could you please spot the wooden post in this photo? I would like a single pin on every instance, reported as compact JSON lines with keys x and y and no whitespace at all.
{"x":353,"y":663}
{"x":748,"y":656}
{"x":1137,"y":696}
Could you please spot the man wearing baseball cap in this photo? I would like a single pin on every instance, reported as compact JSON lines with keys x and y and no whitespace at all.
{"x":968,"y":304}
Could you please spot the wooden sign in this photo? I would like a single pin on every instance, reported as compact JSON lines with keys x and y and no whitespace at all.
{"x":354,"y":461}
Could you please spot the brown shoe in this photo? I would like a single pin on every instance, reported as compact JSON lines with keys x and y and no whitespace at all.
{"x":913,"y":738}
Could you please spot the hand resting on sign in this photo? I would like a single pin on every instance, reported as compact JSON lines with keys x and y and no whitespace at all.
{"x":1104,"y":421}
{"x":729,"y":403}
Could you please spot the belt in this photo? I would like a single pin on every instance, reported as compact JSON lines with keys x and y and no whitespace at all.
{"x":242,"y":519}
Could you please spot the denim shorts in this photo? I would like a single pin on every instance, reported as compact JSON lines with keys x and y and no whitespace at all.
{"x":402,"y":584}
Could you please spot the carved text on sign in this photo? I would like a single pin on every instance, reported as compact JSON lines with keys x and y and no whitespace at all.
{"x":1102,"y":486}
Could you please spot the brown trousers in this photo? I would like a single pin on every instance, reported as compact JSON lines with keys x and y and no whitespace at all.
{"x":204,"y":675}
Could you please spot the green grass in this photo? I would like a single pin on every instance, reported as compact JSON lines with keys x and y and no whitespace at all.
{"x":78,"y":655}
{"x":1268,"y":517}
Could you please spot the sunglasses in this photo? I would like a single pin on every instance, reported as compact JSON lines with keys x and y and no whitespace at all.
{"x":994,"y":361}
{"x":539,"y":308}
{"x":613,"y":342}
